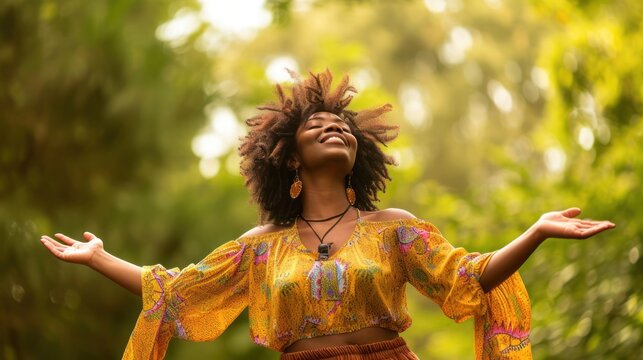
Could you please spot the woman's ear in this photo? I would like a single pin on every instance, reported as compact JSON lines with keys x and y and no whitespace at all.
{"x":293,"y":163}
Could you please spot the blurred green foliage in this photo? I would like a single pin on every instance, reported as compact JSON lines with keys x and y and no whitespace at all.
{"x":507,"y":110}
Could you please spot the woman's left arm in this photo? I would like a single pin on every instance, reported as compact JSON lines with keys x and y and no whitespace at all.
{"x":555,"y":224}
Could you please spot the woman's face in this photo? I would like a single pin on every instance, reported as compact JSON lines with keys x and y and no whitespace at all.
{"x":323,"y":139}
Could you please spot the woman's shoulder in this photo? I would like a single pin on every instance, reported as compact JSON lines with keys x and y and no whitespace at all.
{"x":393,"y":218}
{"x":390,"y":214}
{"x":264,"y":230}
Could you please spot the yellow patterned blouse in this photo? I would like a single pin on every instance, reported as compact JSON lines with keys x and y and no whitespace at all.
{"x":292,"y":296}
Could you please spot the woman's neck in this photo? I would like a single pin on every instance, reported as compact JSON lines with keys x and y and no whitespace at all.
{"x":323,"y":197}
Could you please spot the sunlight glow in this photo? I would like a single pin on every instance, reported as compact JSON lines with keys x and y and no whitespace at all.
{"x":442,"y":6}
{"x":302,"y":6}
{"x":404,"y":157}
{"x":225,"y":123}
{"x":180,"y":28}
{"x":413,"y":107}
{"x":633,"y":255}
{"x":455,"y":49}
{"x":209,"y":167}
{"x":276,"y":70}
{"x":500,"y":95}
{"x":585,"y":138}
{"x":436,"y":6}
{"x":587,"y":106}
{"x":555,"y":159}
{"x":216,"y":139}
{"x":241,"y":18}
{"x":210,"y":41}
{"x":493,"y":3}
{"x":364,"y":77}
{"x":540,"y":78}
{"x":209,"y":145}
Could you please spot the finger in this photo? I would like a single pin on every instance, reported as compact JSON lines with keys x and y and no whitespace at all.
{"x":602,"y":223}
{"x":609,"y":224}
{"x":578,"y":222}
{"x":89,"y":236}
{"x":55,"y":244}
{"x":66,"y":239}
{"x":585,"y":233}
{"x":592,"y":222}
{"x":571,"y":212}
{"x":589,"y":222}
{"x":48,"y":239}
{"x":584,"y":225}
{"x":52,"y":248}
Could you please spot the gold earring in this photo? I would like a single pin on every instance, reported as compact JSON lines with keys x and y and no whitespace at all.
{"x":297,"y":185}
{"x":350,"y":193}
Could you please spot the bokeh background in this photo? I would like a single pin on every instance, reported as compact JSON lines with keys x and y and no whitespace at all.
{"x":122,"y":117}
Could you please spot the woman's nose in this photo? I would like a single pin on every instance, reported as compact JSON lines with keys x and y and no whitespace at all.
{"x":333,"y":127}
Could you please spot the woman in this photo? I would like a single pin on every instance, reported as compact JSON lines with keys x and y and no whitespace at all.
{"x":324,"y":276}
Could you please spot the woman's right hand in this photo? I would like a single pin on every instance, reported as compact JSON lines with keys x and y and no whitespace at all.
{"x":73,"y":251}
{"x":91,"y":253}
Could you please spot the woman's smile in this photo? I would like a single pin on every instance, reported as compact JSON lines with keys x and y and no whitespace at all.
{"x":333,"y":138}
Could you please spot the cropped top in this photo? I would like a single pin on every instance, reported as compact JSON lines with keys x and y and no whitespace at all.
{"x":291,"y":295}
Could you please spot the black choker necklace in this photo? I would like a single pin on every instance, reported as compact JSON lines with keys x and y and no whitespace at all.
{"x":323,"y":250}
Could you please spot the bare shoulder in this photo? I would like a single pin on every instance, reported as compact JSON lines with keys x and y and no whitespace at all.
{"x":263,"y":230}
{"x":389,"y":214}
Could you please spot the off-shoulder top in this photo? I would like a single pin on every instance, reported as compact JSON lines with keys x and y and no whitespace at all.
{"x":291,"y":295}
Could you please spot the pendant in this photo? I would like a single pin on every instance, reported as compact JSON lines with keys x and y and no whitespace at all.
{"x":323,"y":251}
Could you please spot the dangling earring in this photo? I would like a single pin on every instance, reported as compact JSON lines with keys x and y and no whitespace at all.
{"x":350,"y":193}
{"x":297,"y":185}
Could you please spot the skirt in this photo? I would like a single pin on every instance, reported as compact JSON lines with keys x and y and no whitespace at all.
{"x":395,"y":349}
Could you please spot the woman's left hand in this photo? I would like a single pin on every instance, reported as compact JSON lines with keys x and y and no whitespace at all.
{"x":562,"y":224}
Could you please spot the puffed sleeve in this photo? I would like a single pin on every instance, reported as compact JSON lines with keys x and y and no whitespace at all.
{"x":197,"y":303}
{"x":450,"y":277}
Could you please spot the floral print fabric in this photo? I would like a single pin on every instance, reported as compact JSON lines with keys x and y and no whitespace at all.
{"x":291,"y":295}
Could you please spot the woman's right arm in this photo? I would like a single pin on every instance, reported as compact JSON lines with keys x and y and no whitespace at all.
{"x":92,"y":254}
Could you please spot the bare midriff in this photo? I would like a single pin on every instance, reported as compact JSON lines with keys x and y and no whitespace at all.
{"x":359,"y":337}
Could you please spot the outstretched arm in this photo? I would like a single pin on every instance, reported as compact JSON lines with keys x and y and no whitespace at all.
{"x":92,"y":254}
{"x":556,"y":224}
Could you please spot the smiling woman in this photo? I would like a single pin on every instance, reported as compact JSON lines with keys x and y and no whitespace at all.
{"x":324,"y":276}
{"x":324,"y":143}
{"x":270,"y":151}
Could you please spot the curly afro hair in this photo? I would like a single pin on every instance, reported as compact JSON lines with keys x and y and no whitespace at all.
{"x":267,"y":149}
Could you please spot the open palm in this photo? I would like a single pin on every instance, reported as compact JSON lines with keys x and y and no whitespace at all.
{"x":563,"y":224}
{"x":73,"y":251}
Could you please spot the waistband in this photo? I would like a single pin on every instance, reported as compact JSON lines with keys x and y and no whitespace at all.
{"x":381,"y":350}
